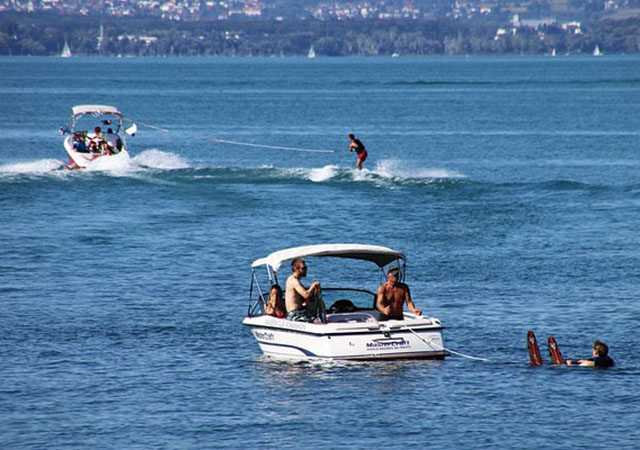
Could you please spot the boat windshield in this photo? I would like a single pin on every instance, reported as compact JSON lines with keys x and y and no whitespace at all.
{"x":339,"y":300}
{"x":87,"y":123}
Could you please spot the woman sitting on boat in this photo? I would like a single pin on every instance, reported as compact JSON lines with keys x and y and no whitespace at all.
{"x":275,"y":305}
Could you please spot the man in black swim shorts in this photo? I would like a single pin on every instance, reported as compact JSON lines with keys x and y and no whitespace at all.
{"x":392,"y":296}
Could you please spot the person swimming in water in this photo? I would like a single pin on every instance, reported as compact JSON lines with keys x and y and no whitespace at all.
{"x":601,"y":358}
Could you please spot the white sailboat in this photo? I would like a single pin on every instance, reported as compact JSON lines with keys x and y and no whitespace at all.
{"x":100,"y":38}
{"x":312,"y":52}
{"x":66,"y":51}
{"x":596,"y":51}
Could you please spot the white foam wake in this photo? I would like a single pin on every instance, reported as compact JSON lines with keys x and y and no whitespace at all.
{"x":148,"y":159}
{"x":385,"y":172}
{"x":396,"y":169}
{"x":118,"y":166}
{"x":31,"y":167}
{"x":323,"y":173}
{"x":157,"y":159}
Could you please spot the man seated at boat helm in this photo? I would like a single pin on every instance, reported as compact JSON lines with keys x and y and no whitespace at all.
{"x":391,"y":297}
{"x":301,"y":303}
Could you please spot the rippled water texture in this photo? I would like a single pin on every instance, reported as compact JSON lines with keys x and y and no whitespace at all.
{"x":512,"y":184}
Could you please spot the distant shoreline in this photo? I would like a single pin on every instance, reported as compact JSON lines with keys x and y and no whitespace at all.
{"x":39,"y":35}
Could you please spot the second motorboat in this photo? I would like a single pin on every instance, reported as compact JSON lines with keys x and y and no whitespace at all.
{"x":350,"y":329}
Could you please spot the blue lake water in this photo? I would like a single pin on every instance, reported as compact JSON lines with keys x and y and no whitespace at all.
{"x":512,"y":184}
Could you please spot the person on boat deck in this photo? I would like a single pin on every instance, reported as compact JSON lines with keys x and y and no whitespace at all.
{"x":391,"y":297}
{"x":275,"y":306}
{"x":93,"y":147}
{"x":357,"y":146}
{"x":112,"y":139}
{"x":78,"y":144}
{"x":105,"y":148}
{"x":601,"y":358}
{"x":99,"y":136}
{"x":301,"y":302}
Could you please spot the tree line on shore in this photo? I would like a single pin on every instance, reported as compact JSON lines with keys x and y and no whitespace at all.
{"x":42,"y":35}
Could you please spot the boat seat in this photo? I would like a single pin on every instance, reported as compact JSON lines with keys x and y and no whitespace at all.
{"x":342,"y":306}
{"x":355,"y":317}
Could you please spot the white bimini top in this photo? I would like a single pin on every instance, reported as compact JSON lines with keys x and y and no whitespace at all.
{"x":97,"y":109}
{"x":374,"y":253}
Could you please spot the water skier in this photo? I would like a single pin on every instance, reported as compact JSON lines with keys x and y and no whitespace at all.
{"x":357,"y":146}
{"x":601,"y":358}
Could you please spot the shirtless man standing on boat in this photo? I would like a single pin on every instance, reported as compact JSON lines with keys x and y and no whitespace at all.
{"x":301,"y":302}
{"x":391,"y":297}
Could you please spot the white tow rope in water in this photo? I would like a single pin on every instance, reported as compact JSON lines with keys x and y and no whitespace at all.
{"x":295,"y":149}
{"x":439,"y":347}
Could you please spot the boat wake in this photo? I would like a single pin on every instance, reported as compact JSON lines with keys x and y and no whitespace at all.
{"x":386,"y":174}
{"x":157,"y":159}
{"x":389,"y":173}
{"x":40,"y":167}
{"x":152,"y":159}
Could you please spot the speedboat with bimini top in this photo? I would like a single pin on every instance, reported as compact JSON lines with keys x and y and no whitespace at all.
{"x":349,"y":326}
{"x":95,"y":132}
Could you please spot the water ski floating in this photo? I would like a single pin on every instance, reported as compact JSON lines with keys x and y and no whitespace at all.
{"x":534,"y":352}
{"x":535,"y":359}
{"x":554,"y":352}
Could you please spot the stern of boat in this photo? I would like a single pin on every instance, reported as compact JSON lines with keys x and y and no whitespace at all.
{"x":79,"y":160}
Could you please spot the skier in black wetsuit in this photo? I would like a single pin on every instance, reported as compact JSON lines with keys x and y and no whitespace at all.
{"x":357,"y":146}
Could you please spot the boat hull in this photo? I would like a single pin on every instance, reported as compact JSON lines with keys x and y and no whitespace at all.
{"x":83,"y":160}
{"x":347,"y":337}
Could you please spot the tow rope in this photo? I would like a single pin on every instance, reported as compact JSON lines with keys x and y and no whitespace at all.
{"x":276,"y":147}
{"x":439,"y":347}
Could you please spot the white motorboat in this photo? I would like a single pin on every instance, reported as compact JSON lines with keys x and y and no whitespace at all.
{"x":350,"y":329}
{"x":95,"y":132}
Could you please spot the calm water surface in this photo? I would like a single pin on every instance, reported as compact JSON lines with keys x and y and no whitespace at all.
{"x":512,"y":184}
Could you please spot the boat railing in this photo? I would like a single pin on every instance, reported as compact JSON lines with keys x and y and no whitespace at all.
{"x":256,"y":308}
